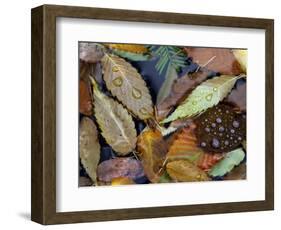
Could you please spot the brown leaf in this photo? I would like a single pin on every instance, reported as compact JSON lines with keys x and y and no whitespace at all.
{"x":119,"y":167}
{"x":85,"y":181}
{"x":89,"y":147}
{"x":152,"y":149}
{"x":181,"y":88}
{"x":90,"y":52}
{"x":216,"y":59}
{"x":207,"y":160}
{"x":185,"y":171}
{"x":238,"y":173}
{"x":237,"y":97}
{"x":85,"y":101}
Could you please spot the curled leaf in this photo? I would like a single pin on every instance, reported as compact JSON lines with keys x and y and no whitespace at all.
{"x":204,"y":96}
{"x":119,"y":167}
{"x":90,"y":52}
{"x":89,"y":147}
{"x":180,"y":89}
{"x":116,"y":124}
{"x":242,"y":57}
{"x":216,"y":59}
{"x":185,"y":171}
{"x":125,"y":83}
{"x":152,"y":152}
{"x":230,"y":160}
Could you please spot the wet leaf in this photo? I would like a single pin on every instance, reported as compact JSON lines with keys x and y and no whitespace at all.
{"x":204,"y":96}
{"x":85,"y":100}
{"x":185,"y":147}
{"x":122,"y":181}
{"x":238,"y":173}
{"x":216,"y":59}
{"x":89,"y":147}
{"x":125,"y":83}
{"x":152,"y":152}
{"x":230,"y":160}
{"x":90,"y":52}
{"x":167,"y":84}
{"x":185,"y":171}
{"x":116,"y":124}
{"x":180,"y":89}
{"x":237,"y":97}
{"x":119,"y":167}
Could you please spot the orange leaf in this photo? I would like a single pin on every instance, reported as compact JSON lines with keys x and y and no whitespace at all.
{"x":85,"y":101}
{"x":152,"y":152}
{"x":185,"y":146}
{"x":208,"y":160}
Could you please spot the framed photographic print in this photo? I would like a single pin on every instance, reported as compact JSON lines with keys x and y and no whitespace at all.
{"x":139,"y":114}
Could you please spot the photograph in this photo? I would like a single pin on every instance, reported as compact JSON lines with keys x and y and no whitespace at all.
{"x":152,"y":114}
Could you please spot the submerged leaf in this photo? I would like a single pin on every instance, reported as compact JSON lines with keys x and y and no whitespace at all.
{"x":230,"y":160}
{"x":217,"y":59}
{"x":90,"y":52}
{"x":152,"y":152}
{"x":119,"y":167}
{"x":116,"y":124}
{"x":124,"y":82}
{"x":204,"y":96}
{"x":167,"y":84}
{"x":185,"y":171}
{"x":180,"y":89}
{"x":89,"y":147}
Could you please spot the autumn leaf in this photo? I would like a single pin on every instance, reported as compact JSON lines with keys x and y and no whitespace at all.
{"x":133,"y":48}
{"x":152,"y":151}
{"x":185,"y":171}
{"x":216,"y":59}
{"x":122,"y":181}
{"x":132,"y":56}
{"x":180,"y":89}
{"x":85,"y":181}
{"x":116,"y":124}
{"x":242,"y":57}
{"x":204,"y":96}
{"x":125,"y":83}
{"x":238,"y":173}
{"x":237,"y":97}
{"x":85,"y":100}
{"x":119,"y":167}
{"x":230,"y":160}
{"x":207,"y":160}
{"x":185,"y":147}
{"x":90,"y":52}
{"x":89,"y":147}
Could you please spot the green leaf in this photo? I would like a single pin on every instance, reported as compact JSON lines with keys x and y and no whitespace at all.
{"x":131,"y":56}
{"x":224,"y":166}
{"x":204,"y":96}
{"x":167,"y":84}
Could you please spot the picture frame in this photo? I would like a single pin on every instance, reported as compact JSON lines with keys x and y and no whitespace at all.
{"x":44,"y":91}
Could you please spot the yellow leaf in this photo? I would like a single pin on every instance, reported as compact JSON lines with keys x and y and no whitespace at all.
{"x":129,"y":48}
{"x":122,"y":181}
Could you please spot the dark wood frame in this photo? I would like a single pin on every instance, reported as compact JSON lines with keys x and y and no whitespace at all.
{"x":43,"y":207}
